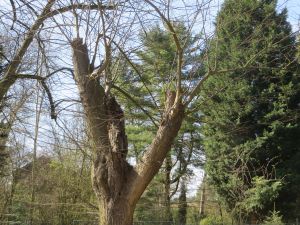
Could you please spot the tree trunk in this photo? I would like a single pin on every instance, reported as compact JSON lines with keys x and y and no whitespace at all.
{"x":117,"y":185}
{"x":4,"y":132}
{"x":182,"y":211}
{"x":114,"y":212}
{"x":167,"y":186}
{"x":202,"y":196}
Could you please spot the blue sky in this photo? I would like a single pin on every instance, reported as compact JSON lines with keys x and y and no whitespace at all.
{"x":293,"y":7}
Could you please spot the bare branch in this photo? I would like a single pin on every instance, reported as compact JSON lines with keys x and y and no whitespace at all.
{"x":14,"y":13}
{"x":178,"y":46}
{"x":127,"y":95}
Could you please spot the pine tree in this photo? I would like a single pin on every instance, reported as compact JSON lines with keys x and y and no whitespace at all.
{"x":157,"y":61}
{"x":251,"y":116}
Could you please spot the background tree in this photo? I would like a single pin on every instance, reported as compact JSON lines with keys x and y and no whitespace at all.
{"x":63,"y":191}
{"x":182,"y":211}
{"x":251,"y":114}
{"x":3,"y":153}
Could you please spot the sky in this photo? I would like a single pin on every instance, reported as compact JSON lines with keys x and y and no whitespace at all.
{"x":293,"y":7}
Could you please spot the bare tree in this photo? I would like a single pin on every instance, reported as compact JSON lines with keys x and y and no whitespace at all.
{"x":117,"y":184}
{"x":97,"y":31}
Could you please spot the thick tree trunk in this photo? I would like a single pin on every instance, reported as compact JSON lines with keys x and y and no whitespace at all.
{"x":114,"y":212}
{"x":107,"y":131}
{"x":118,"y":186}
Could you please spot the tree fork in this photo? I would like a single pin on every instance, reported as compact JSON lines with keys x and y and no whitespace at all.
{"x":107,"y":129}
{"x":117,"y":185}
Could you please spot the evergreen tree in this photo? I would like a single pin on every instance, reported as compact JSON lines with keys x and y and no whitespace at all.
{"x":251,"y":116}
{"x":157,"y":61}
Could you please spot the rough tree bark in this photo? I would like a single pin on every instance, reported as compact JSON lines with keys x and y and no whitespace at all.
{"x":118,"y":186}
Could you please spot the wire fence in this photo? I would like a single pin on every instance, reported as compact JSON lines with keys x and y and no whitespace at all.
{"x":79,"y":214}
{"x":96,"y":222}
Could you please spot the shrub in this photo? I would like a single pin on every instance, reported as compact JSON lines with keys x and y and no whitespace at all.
{"x":211,"y":220}
{"x":274,"y":219}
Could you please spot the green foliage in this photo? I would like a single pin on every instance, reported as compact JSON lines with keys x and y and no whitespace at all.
{"x":211,"y":220}
{"x":157,"y":62}
{"x":251,"y":114}
{"x":274,"y":219}
{"x":259,"y":195}
{"x":63,"y":191}
{"x":148,"y":207}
